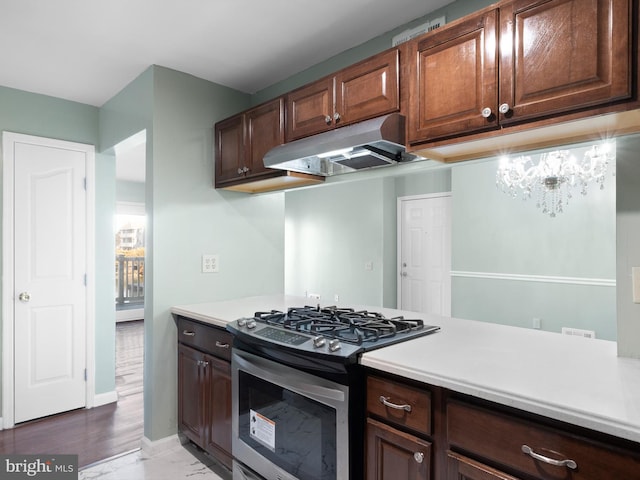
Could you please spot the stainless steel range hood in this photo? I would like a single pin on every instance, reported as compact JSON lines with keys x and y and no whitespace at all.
{"x":373,"y":143}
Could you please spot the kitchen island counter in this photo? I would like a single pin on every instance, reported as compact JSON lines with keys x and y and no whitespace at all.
{"x":576,"y":380}
{"x":221,"y":313}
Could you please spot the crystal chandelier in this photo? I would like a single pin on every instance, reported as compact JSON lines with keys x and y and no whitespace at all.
{"x":556,"y":175}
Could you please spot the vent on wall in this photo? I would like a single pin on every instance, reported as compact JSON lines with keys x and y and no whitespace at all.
{"x":578,"y":332}
{"x":417,"y":31}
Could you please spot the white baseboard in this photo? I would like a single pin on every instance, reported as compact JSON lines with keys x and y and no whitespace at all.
{"x":129,"y":314}
{"x":100,"y":399}
{"x":153,"y":448}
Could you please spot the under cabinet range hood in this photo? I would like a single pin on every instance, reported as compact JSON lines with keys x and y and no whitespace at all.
{"x":378,"y":142}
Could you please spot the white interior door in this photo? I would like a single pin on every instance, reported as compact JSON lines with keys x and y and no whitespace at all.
{"x":50,"y":267}
{"x":425,"y":254}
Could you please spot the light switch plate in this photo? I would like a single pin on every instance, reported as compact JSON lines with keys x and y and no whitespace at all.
{"x":635,"y":282}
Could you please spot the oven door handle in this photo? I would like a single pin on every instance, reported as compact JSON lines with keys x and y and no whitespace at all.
{"x":285,"y":377}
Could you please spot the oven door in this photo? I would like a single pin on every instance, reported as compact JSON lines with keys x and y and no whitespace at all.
{"x":288,"y":424}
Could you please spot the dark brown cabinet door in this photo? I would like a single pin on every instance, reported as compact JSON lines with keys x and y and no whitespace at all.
{"x":190,"y":394}
{"x":392,"y":454}
{"x":453,"y":80}
{"x":364,"y":90}
{"x":229,"y":150}
{"x":368,"y":89}
{"x":218,"y":409}
{"x":310,"y":109}
{"x":462,"y":468}
{"x":265,"y":130}
{"x":563,"y":55}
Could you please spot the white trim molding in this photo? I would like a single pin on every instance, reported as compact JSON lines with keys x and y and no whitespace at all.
{"x":100,"y":399}
{"x":594,"y":282}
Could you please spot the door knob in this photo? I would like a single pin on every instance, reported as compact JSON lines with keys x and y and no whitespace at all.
{"x":24,"y":297}
{"x":404,"y":274}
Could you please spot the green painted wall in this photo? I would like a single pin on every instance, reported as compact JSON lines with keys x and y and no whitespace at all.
{"x":130,"y":191}
{"x":187,"y":217}
{"x":493,"y":233}
{"x":40,"y":115}
{"x":628,"y":244}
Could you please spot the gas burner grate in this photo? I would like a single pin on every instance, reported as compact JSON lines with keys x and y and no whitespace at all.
{"x":345,"y":324}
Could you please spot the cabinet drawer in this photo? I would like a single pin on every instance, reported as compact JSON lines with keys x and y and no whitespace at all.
{"x":207,"y":338}
{"x":399,"y":404}
{"x":500,"y":438}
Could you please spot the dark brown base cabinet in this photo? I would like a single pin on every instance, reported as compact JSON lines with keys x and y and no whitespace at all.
{"x":204,"y":387}
{"x":416,"y":431}
{"x":392,"y":453}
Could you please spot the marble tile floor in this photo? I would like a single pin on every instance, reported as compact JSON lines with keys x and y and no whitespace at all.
{"x":177,"y":463}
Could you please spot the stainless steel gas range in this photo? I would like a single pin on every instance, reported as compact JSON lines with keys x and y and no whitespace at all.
{"x":298,"y":390}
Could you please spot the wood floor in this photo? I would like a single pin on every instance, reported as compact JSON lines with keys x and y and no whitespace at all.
{"x":98,"y":433}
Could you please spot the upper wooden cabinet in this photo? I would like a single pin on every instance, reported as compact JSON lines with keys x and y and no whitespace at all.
{"x":453,"y":78}
{"x":365,"y":90}
{"x":244,"y":139}
{"x":526,"y":60}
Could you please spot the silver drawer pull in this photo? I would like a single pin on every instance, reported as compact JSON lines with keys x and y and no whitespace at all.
{"x":189,"y":333}
{"x":385,"y":401}
{"x":221,"y":345}
{"x":418,"y":457}
{"x":558,"y":463}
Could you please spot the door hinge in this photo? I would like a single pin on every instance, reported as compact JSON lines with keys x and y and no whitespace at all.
{"x":85,"y":374}
{"x":85,"y":279}
{"x":84,"y":183}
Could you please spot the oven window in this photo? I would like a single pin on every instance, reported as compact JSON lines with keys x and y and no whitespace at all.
{"x":295,"y":432}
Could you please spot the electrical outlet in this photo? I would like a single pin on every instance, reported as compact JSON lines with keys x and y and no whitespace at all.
{"x":210,"y":264}
{"x":336,"y":298}
{"x":368,"y":266}
{"x":536,"y":323}
{"x":315,"y":296}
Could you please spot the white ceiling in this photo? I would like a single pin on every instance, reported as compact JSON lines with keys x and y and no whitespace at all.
{"x":88,"y":50}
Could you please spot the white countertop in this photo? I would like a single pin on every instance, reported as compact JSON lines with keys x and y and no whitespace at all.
{"x":573,"y":379}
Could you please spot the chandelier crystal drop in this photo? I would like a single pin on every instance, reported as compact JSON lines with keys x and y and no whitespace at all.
{"x":556,"y":175}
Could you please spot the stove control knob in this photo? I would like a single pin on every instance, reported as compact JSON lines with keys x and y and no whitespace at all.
{"x":318,"y":341}
{"x":334,"y":345}
{"x":242,"y":322}
{"x":251,"y":324}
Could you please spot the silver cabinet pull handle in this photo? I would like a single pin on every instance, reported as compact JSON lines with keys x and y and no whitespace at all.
{"x":189,"y":333}
{"x":336,"y":117}
{"x":221,"y":345}
{"x":558,"y":463}
{"x":327,"y":119}
{"x":385,"y":401}
{"x":486,"y":112}
{"x":418,"y":457}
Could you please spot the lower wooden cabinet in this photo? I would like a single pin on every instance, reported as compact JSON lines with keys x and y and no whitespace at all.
{"x":393,"y":454}
{"x":418,"y":431}
{"x":463,"y":468}
{"x":531,"y":448}
{"x":204,"y":388}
